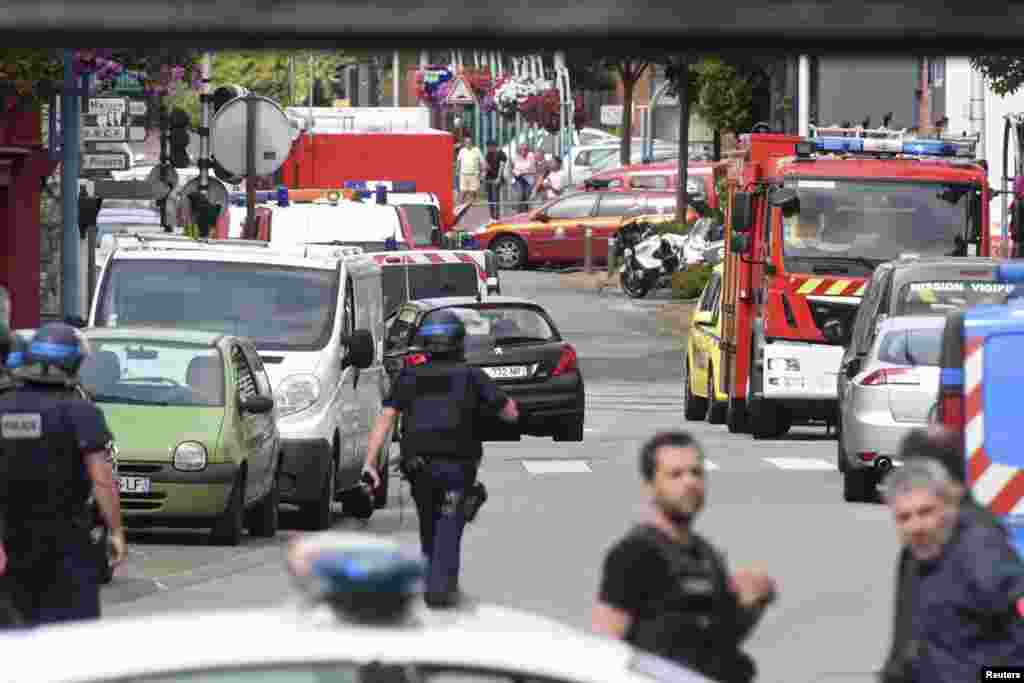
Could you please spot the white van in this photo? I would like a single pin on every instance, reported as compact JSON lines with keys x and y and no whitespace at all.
{"x":316,"y":323}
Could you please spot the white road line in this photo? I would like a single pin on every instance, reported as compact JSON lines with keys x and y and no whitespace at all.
{"x":801,"y":463}
{"x":555,"y":466}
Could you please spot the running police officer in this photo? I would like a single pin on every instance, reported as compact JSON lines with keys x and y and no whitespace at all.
{"x":54,"y":449}
{"x":440,"y":402}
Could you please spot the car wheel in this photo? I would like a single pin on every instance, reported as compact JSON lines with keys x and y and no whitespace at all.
{"x":694,"y":407}
{"x":770,"y":420}
{"x":318,"y":513}
{"x":858,"y":485}
{"x":228,"y":530}
{"x":380,"y":496}
{"x":572,"y":431}
{"x":736,"y":416}
{"x":510,"y":252}
{"x":635,"y":287}
{"x":265,"y":517}
{"x":716,"y":410}
{"x":840,"y":451}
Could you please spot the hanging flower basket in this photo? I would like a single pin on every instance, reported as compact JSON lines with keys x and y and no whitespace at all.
{"x":433,"y":84}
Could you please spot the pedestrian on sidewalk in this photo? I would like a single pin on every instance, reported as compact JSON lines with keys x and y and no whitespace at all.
{"x":553,"y":183}
{"x":961,"y":589}
{"x":496,"y":160}
{"x":524,"y":175}
{"x":471,"y":168}
{"x":667,"y":590}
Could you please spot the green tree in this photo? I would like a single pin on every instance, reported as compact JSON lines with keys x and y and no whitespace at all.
{"x":1005,"y":73}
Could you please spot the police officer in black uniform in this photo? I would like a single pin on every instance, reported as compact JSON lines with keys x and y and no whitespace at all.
{"x":7,"y":342}
{"x":441,"y":402}
{"x":53,"y":452}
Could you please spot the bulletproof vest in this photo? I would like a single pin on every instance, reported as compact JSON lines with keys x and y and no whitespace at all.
{"x":694,"y":623}
{"x":440,"y":419}
{"x":43,"y":486}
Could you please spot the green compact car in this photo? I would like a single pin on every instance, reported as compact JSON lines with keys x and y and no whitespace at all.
{"x":196,"y":428}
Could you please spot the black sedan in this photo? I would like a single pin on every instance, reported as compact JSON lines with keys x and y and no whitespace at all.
{"x":515,"y":342}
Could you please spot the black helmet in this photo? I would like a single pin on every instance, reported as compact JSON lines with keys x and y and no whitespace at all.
{"x":442,"y":333}
{"x":54,"y":355}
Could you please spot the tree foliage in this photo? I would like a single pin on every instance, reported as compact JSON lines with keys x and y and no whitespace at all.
{"x":628,"y":70}
{"x":1005,"y":73}
{"x":725,"y":97}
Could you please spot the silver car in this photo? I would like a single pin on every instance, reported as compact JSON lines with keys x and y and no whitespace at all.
{"x":890,"y":392}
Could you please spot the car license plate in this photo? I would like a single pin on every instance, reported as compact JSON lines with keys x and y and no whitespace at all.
{"x":506,"y":371}
{"x":135,"y":484}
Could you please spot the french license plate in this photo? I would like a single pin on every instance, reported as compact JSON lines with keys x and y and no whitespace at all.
{"x":135,"y":484}
{"x":506,"y":371}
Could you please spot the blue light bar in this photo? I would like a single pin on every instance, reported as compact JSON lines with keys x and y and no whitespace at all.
{"x":390,"y":185}
{"x":368,"y":571}
{"x":938,"y":148}
{"x":382,"y":194}
{"x":282,"y":196}
{"x":391,"y":244}
{"x":1011,"y":271}
{"x":262,"y":196}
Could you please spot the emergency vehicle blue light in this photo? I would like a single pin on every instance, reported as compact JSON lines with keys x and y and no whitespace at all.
{"x":368,"y":570}
{"x":403,"y":186}
{"x":391,"y":244}
{"x":262,"y":196}
{"x":355,"y":184}
{"x":15,"y":359}
{"x":382,"y":194}
{"x":833,"y":144}
{"x":1011,"y":272}
{"x":859,"y":145}
{"x":54,"y":351}
{"x":472,"y":243}
{"x":282,"y":196}
{"x":935,"y":148}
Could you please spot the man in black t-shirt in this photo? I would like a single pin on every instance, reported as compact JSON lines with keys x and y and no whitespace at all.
{"x":496,"y":160}
{"x":665,"y":589}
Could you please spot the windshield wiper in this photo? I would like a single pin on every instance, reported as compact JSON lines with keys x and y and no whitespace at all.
{"x":108,"y":398}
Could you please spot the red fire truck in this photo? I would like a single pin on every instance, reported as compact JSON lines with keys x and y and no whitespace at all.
{"x":807,"y":222}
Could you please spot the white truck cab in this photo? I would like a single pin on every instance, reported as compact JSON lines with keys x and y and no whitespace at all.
{"x":317,"y":325}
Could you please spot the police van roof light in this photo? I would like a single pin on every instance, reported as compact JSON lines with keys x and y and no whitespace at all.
{"x":282,"y":196}
{"x":391,"y":185}
{"x":1011,"y":271}
{"x":391,"y":244}
{"x":382,"y":194}
{"x":850,"y":145}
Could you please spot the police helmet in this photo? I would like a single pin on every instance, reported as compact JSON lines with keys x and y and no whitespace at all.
{"x":54,"y":355}
{"x":443,"y":333}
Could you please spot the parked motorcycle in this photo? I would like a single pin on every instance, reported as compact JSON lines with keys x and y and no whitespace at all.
{"x":649,"y":259}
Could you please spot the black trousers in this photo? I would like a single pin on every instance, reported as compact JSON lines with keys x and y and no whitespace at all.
{"x":439,"y":489}
{"x":56,"y":586}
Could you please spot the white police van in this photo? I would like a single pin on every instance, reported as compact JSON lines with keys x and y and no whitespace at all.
{"x":359,"y":620}
{"x":316,"y":323}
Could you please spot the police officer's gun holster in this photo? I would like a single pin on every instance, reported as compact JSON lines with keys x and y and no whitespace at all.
{"x":474,"y":499}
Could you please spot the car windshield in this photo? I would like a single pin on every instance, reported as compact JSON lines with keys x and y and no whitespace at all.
{"x":424,"y":218}
{"x":145,"y":371}
{"x":912,"y":346}
{"x":427,"y":281}
{"x":277,"y":307}
{"x":487,"y":326}
{"x":942,"y":296}
{"x":873,"y":222}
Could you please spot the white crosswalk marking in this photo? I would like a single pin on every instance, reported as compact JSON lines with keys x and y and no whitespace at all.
{"x":635,"y":397}
{"x":555,"y":466}
{"x":801,"y":463}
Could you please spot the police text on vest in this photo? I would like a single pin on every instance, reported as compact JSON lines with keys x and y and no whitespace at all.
{"x":21,"y":426}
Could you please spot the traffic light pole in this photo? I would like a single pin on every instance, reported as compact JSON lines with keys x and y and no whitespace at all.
{"x":206,"y":102}
{"x":250,"y":166}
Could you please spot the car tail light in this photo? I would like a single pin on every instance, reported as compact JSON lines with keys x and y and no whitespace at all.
{"x":891,"y":376}
{"x":867,"y":456}
{"x":952,"y":410}
{"x":566,"y":362}
{"x":416,"y":359}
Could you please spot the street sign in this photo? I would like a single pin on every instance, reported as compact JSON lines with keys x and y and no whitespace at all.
{"x":125,"y":189}
{"x":229,"y":139}
{"x":460,"y":93}
{"x":114,"y":119}
{"x":611,"y":114}
{"x":117,"y":161}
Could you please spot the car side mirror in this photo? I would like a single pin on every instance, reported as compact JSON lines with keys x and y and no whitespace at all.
{"x":702,"y":318}
{"x":360,"y":349}
{"x":257,"y":404}
{"x":740,"y":244}
{"x":853,"y":367}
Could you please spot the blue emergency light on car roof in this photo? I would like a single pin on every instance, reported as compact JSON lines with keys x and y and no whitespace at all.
{"x":369,"y":186}
{"x":1012,"y":271}
{"x":262,"y":196}
{"x":391,"y":244}
{"x":282,"y":195}
{"x":939,"y":148}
